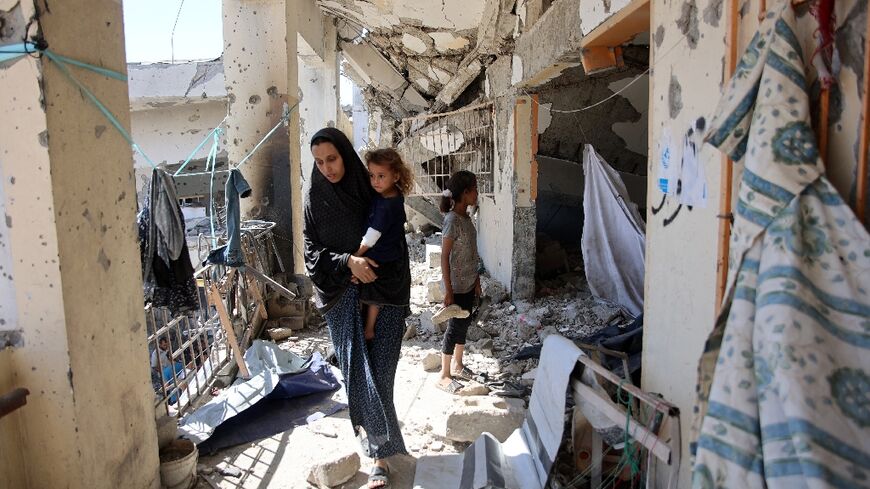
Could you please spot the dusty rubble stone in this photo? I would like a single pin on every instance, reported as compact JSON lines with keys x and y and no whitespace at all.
{"x":494,"y":290}
{"x":473,"y":416}
{"x":436,"y":446}
{"x":335,"y":471}
{"x":475,"y":333}
{"x":431,"y":362}
{"x":433,"y":256}
{"x":474,"y":389}
{"x":433,"y":291}
{"x":605,"y":313}
{"x":410,"y":331}
{"x":528,"y":378}
{"x":428,"y":325}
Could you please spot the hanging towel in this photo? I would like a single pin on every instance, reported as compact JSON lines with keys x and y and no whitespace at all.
{"x":613,"y":238}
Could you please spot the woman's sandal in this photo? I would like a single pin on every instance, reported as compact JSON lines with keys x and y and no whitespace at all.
{"x":379,"y":474}
{"x":465,"y":374}
{"x":451,"y":388}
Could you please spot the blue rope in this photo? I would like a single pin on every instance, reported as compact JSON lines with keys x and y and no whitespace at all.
{"x":208,"y":136}
{"x":212,"y":160}
{"x":15,"y":51}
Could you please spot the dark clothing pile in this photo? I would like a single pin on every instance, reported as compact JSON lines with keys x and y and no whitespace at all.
{"x":167,"y":273}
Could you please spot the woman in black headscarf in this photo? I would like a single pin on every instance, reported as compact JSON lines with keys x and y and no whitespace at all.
{"x":336,"y":208}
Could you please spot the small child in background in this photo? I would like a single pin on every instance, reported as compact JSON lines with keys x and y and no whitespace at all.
{"x":384,"y":241}
{"x":459,"y":269}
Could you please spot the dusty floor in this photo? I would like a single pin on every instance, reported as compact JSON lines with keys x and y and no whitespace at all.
{"x":284,"y":460}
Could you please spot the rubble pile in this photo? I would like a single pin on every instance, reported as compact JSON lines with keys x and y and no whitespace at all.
{"x":564,"y":306}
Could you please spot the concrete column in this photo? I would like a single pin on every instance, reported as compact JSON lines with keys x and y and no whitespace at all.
{"x":318,"y":83}
{"x":525,"y":192}
{"x":256,"y":76}
{"x":291,"y":16}
{"x":72,"y":288}
{"x":360,"y":120}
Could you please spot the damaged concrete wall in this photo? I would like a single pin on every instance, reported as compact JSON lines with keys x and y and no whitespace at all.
{"x":169,"y":134}
{"x":688,"y":58}
{"x":496,"y":222}
{"x":617,"y":129}
{"x":70,"y":218}
{"x":256,"y":68}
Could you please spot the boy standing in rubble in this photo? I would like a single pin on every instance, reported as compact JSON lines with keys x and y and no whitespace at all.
{"x":459,"y":269}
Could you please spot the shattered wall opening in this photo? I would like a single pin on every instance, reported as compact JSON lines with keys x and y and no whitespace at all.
{"x":567,"y":121}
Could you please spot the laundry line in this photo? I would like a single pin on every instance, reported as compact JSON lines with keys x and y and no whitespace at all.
{"x":16,"y":51}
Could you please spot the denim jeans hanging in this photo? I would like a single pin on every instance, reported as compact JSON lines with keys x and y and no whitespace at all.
{"x":231,"y":253}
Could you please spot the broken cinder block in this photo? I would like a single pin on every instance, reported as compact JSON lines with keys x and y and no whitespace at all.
{"x":334,"y":472}
{"x":433,"y":256}
{"x":473,"y":416}
{"x":434,"y":293}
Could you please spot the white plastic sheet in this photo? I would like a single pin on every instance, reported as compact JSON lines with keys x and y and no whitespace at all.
{"x":524,"y":460}
{"x":266,"y":363}
{"x":613,"y":236}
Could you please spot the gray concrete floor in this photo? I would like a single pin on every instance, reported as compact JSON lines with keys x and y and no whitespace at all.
{"x":284,"y":460}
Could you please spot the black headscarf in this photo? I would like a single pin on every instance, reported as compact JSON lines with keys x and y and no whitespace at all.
{"x":335,"y":220}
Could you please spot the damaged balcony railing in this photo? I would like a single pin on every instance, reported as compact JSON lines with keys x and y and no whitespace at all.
{"x":188,"y":352}
{"x":438,"y":145}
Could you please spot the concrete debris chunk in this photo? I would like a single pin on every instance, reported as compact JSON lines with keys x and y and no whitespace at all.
{"x":334,"y":471}
{"x":428,"y":325}
{"x":473,"y":389}
{"x":280,"y":334}
{"x":473,"y":416}
{"x":432,"y":362}
{"x":434,"y":293}
{"x":475,"y":333}
{"x":433,"y":256}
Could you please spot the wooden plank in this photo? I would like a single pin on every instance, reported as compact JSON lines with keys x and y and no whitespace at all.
{"x":676,"y":445}
{"x":620,"y":27}
{"x":597,"y":458}
{"x":227,"y":325}
{"x":657,"y":403}
{"x":254,"y":287}
{"x":638,"y":432}
{"x":864,"y":143}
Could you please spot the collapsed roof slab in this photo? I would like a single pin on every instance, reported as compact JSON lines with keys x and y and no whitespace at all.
{"x":372,"y":65}
{"x":550,"y":46}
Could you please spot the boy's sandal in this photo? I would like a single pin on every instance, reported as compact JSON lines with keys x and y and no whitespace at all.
{"x":465,"y":374}
{"x":379,"y":474}
{"x":451,"y":388}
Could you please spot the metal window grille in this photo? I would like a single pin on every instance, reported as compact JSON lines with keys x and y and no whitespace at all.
{"x":198,"y":347}
{"x":438,"y":145}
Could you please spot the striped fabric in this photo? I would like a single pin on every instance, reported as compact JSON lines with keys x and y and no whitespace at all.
{"x":525,"y":458}
{"x":784,"y":382}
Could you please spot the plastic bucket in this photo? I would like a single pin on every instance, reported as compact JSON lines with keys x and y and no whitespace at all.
{"x":178,"y":464}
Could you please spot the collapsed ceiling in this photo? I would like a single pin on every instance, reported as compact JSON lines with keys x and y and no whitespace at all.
{"x":414,"y":56}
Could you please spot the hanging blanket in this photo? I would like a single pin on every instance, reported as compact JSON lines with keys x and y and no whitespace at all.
{"x":784,"y":383}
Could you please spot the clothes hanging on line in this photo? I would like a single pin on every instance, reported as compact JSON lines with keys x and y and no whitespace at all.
{"x":230,"y":254}
{"x":167,"y":273}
